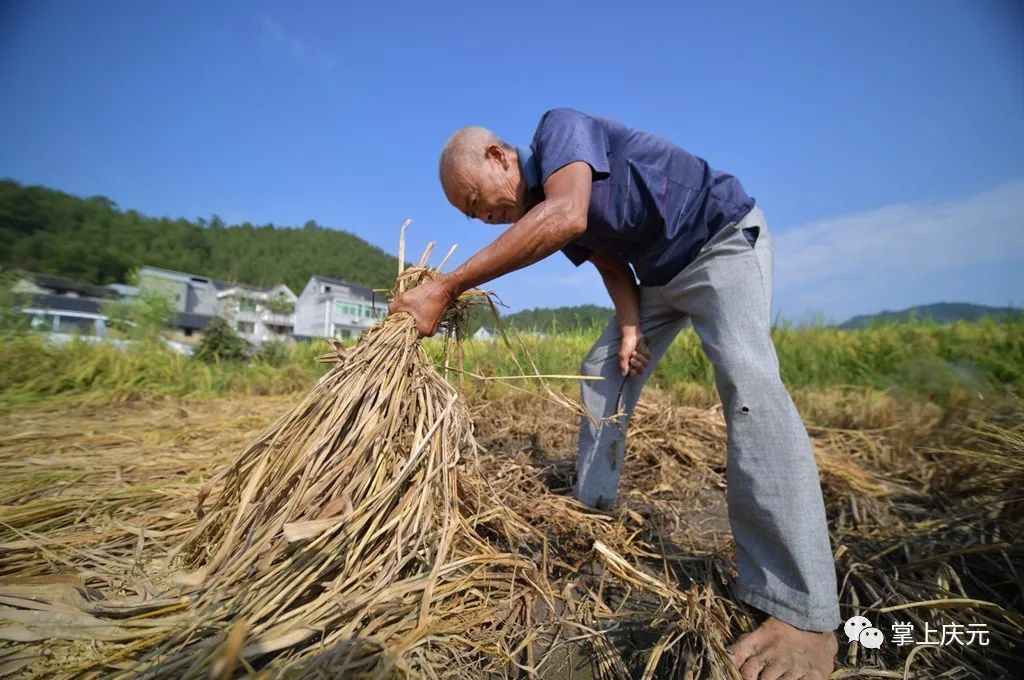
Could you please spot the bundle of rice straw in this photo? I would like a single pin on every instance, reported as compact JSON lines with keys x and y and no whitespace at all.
{"x":338,"y":532}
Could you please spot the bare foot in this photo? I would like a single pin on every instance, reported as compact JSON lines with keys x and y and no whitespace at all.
{"x":778,"y":651}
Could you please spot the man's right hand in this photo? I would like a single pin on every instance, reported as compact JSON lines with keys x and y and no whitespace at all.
{"x":634,"y":353}
{"x":426,"y":303}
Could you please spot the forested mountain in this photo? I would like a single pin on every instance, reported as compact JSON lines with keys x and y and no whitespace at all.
{"x":552,"y":319}
{"x":940,"y":312}
{"x":93,"y":240}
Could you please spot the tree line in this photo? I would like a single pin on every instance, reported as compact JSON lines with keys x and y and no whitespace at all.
{"x":93,"y":240}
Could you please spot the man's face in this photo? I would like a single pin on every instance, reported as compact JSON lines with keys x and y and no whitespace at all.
{"x":492,"y":191}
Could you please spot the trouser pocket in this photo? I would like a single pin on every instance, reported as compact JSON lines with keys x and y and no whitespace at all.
{"x":751,"y":234}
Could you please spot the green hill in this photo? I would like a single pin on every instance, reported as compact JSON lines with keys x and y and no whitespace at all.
{"x":942,"y":312}
{"x":550,"y":319}
{"x":92,"y":239}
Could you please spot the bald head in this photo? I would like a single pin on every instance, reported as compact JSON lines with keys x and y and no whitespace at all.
{"x":480,"y":175}
{"x":467,"y":148}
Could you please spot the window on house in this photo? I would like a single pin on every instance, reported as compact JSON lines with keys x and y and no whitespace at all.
{"x":76,"y":325}
{"x":349,"y":309}
{"x":245,"y":327}
{"x":246,"y":305}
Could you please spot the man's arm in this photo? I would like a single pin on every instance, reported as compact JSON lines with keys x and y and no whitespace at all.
{"x":547,"y":227}
{"x":618,"y":279}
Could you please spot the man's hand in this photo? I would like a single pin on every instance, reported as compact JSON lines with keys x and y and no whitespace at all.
{"x":634,"y":354}
{"x":427,"y":303}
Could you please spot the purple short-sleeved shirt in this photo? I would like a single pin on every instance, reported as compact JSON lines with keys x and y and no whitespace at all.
{"x":652,"y":203}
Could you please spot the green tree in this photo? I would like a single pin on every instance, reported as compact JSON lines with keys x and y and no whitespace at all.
{"x":279,"y":304}
{"x":554,"y":319}
{"x":221,"y":343}
{"x":12,"y":320}
{"x":146,"y":318}
{"x":273,"y":353}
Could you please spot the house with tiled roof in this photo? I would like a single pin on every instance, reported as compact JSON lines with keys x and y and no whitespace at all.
{"x":61,"y":305}
{"x":334,"y":308}
{"x":257,"y":314}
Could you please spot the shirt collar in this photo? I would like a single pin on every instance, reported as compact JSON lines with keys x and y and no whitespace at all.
{"x":528,"y":164}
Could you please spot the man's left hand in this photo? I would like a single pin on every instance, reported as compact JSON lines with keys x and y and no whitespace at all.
{"x":426,"y":303}
{"x":634,"y":353}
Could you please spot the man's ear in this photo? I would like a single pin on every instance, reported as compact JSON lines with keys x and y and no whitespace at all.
{"x":498,"y":153}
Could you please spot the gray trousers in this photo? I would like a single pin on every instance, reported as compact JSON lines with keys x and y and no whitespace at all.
{"x":776,"y":509}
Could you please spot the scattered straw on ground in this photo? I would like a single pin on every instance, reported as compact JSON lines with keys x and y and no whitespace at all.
{"x":92,"y":493}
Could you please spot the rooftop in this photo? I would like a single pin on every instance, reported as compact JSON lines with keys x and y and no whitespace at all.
{"x":355,"y":287}
{"x":61,"y":283}
{"x":62,"y":303}
{"x":185,"y":277}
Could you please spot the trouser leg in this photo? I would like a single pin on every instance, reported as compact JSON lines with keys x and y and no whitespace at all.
{"x":774,"y":494}
{"x":609,"y":403}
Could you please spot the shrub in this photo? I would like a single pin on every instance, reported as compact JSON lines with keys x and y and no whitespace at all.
{"x":273,"y":353}
{"x":221,"y":343}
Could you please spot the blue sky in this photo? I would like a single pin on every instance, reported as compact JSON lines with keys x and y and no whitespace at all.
{"x":884,"y":140}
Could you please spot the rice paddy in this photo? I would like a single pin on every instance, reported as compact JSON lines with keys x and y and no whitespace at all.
{"x":381,"y":522}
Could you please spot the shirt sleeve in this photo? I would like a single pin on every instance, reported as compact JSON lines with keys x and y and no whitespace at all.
{"x":566,"y":136}
{"x":577,"y":253}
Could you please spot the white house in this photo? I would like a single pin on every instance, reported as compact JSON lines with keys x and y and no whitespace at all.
{"x":194,"y":298}
{"x":259,"y":314}
{"x":484,"y":333}
{"x":60,"y":305}
{"x":332,"y":308}
{"x":189,"y":293}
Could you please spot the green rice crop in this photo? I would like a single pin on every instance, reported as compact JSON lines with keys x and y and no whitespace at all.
{"x":938,"y":361}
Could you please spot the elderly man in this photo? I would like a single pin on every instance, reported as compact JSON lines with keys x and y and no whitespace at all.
{"x":639,"y":207}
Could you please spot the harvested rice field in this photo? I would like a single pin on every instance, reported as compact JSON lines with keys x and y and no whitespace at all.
{"x":135,"y":542}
